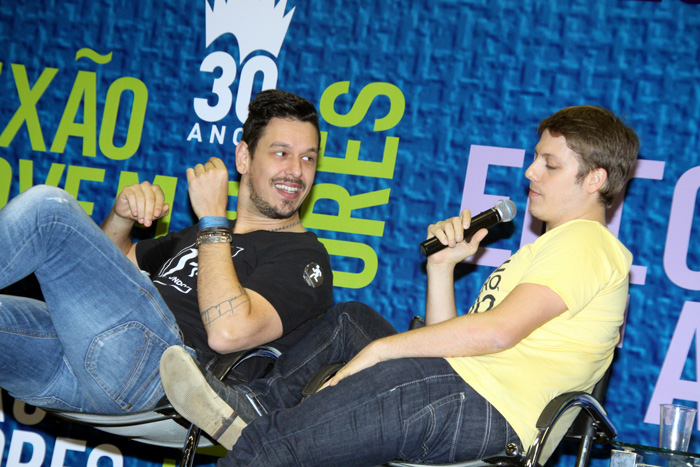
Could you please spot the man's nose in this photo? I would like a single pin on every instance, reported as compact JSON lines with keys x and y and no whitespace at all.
{"x":530,"y":173}
{"x":294,"y":166}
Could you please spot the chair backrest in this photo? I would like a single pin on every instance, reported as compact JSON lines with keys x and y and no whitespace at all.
{"x":583,"y":425}
{"x":591,"y":425}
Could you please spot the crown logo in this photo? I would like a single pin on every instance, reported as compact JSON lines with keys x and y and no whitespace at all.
{"x":257,"y":24}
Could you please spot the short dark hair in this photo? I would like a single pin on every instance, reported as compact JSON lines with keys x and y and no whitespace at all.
{"x":599,"y":139}
{"x":274,"y":103}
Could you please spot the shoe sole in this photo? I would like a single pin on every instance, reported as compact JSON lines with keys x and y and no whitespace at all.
{"x":193,"y":398}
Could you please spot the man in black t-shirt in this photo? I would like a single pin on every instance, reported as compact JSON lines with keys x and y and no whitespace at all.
{"x":277,"y":265}
{"x":216,"y":287}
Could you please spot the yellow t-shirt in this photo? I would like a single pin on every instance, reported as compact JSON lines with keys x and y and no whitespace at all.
{"x":583,"y":263}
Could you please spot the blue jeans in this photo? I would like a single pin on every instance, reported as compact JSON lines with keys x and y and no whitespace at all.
{"x":94,"y":345}
{"x":415,"y":409}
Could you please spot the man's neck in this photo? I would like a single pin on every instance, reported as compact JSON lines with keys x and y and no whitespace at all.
{"x":596,"y":214}
{"x":245,"y":222}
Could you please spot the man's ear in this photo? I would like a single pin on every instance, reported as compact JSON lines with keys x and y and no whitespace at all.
{"x":242,"y":157}
{"x":596,"y":179}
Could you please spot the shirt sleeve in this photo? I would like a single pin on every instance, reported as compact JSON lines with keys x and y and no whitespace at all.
{"x":577,"y":263}
{"x":297,"y":281}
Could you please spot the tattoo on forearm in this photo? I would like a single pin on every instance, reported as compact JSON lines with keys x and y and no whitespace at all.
{"x":229,"y":306}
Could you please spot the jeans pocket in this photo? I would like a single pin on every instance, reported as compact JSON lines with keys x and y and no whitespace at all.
{"x":432,"y":432}
{"x":124,"y":363}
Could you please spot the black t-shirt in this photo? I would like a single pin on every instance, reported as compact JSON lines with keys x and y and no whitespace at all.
{"x":291,"y":270}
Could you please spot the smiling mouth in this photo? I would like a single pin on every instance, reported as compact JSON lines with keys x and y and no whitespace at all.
{"x":286,"y":188}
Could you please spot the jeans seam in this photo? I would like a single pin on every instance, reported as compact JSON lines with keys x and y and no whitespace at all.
{"x":84,"y":393}
{"x":430,"y":410}
{"x":168,"y":318}
{"x":267,"y":441}
{"x":446,"y":375}
{"x":27,"y":333}
{"x":487,"y":432}
{"x":458,"y":430}
{"x":18,"y":248}
{"x":41,"y":401}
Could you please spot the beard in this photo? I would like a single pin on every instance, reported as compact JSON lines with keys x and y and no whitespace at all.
{"x":287,"y":210}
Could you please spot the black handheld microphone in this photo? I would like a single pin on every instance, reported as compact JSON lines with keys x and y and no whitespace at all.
{"x":503,"y":211}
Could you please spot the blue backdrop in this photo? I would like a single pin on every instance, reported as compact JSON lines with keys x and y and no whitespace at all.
{"x":427,"y":106}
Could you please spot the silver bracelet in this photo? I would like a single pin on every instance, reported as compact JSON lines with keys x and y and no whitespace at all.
{"x":214,"y":238}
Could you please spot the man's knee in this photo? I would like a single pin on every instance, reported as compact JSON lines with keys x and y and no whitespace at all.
{"x":40,"y":196}
{"x":354,"y":311}
{"x":47,"y":193}
{"x":362,"y":317}
{"x":353,"y":308}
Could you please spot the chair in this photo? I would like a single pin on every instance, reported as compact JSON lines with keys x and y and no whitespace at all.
{"x":163,"y":426}
{"x":586,"y":430}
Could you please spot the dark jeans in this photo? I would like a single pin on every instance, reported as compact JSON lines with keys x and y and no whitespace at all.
{"x":415,"y":409}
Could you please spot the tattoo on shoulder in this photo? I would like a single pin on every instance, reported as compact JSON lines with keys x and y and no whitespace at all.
{"x":226,"y":307}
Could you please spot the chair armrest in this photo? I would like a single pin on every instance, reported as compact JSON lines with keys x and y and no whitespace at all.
{"x":222,"y":364}
{"x":319,"y":379}
{"x":556,"y":408}
{"x":416,"y":323}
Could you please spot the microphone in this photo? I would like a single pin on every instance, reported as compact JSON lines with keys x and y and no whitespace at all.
{"x":503,"y":211}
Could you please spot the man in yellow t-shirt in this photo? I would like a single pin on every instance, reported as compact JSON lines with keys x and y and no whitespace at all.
{"x":545,"y":322}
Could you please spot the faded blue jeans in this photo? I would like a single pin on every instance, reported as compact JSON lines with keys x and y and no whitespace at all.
{"x":415,"y":409}
{"x":94,"y":345}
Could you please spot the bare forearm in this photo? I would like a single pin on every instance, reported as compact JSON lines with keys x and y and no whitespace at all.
{"x":228,"y":308}
{"x":459,"y":337}
{"x":234,"y":317}
{"x":222,"y":299}
{"x":523,"y":310}
{"x":440,"y":300}
{"x":440,"y":303}
{"x":118,"y":230}
{"x":463,"y":336}
{"x":142,"y":203}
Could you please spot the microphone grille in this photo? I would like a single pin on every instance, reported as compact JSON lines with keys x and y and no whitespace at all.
{"x":506,"y":209}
